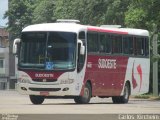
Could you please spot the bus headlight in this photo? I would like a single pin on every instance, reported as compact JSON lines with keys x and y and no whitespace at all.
{"x":23,"y":80}
{"x":69,"y":81}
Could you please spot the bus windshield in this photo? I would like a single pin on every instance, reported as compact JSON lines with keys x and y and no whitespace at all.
{"x":48,"y":50}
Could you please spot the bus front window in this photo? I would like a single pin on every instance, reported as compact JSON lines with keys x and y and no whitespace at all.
{"x":39,"y":48}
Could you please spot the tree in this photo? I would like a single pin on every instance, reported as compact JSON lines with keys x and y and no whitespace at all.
{"x":143,"y":14}
{"x":19,"y":14}
{"x":44,"y":11}
{"x":92,"y":12}
{"x":115,"y":12}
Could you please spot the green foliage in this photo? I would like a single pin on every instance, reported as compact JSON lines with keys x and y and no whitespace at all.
{"x":147,"y":96}
{"x":19,"y":14}
{"x":92,"y":12}
{"x":87,"y":11}
{"x":130,"y":13}
{"x":115,"y":12}
{"x":44,"y":12}
{"x":135,"y":17}
{"x":143,"y":14}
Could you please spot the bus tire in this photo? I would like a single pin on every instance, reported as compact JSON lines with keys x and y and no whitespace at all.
{"x":36,"y":99}
{"x":122,"y":99}
{"x":86,"y":95}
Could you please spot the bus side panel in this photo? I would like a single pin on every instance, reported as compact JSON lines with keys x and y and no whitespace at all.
{"x":95,"y":75}
{"x":107,"y":74}
{"x":137,"y":73}
{"x":119,"y":76}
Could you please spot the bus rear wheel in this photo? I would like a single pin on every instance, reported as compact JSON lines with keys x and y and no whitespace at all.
{"x":36,"y":99}
{"x":87,"y":93}
{"x":124,"y":98}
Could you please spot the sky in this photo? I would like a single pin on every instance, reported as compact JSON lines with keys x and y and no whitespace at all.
{"x":3,"y":8}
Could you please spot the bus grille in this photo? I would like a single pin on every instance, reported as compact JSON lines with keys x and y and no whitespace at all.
{"x":44,"y":80}
{"x":45,"y":89}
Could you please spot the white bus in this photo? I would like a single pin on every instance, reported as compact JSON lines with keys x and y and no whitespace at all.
{"x":70,"y":60}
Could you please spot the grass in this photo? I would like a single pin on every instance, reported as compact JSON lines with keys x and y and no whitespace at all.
{"x":147,"y":96}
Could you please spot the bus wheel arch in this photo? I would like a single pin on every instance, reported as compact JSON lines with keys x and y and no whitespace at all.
{"x":87,"y":94}
{"x":125,"y":97}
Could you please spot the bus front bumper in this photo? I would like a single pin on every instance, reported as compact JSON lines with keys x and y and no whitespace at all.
{"x":47,"y":90}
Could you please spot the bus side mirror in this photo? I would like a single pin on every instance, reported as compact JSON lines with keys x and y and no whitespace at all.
{"x":82,"y":50}
{"x":15,"y":46}
{"x":82,"y":47}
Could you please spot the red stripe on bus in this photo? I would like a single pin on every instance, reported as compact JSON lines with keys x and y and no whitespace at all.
{"x":106,"y":31}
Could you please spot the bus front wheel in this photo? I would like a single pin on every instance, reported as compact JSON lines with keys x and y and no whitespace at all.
{"x":87,"y":93}
{"x":36,"y":99}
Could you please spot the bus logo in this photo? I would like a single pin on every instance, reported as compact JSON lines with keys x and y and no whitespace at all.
{"x":134,"y":81}
{"x":42,"y":75}
{"x":107,"y":63}
{"x":49,"y":65}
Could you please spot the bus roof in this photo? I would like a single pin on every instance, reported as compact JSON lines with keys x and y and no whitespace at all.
{"x":73,"y":27}
{"x":140,"y":32}
{"x":129,"y":31}
{"x":65,"y":27}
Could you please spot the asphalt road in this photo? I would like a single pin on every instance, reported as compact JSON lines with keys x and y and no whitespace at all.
{"x":12,"y":102}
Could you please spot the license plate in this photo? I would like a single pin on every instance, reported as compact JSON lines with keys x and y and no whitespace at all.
{"x":44,"y":93}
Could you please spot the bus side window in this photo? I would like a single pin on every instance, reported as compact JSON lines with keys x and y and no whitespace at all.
{"x":131,"y":45}
{"x":128,"y":45}
{"x":102,"y":44}
{"x":92,"y":42}
{"x":108,"y":44}
{"x":117,"y":44}
{"x":136,"y":46}
{"x":139,"y":46}
{"x":143,"y":46}
{"x":125,"y":45}
{"x":146,"y":46}
{"x":82,"y":37}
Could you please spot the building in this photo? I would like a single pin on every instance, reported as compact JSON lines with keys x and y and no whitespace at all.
{"x":4,"y":58}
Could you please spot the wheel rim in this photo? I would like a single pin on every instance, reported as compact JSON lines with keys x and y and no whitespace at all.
{"x":86,"y":93}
